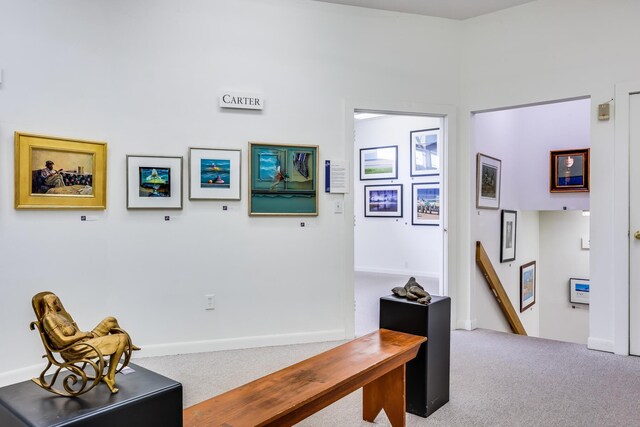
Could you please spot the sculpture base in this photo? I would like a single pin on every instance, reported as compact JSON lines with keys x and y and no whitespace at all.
{"x":145,"y":399}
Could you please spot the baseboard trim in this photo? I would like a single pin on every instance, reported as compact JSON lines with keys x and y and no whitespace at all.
{"x":600,"y":345}
{"x":467,"y":324}
{"x":153,"y":350}
{"x":391,"y":272}
{"x":21,"y":374}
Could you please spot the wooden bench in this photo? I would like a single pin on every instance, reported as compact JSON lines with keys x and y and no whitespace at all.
{"x":375,"y":361}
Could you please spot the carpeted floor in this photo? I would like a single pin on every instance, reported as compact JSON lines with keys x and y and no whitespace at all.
{"x":497,"y":379}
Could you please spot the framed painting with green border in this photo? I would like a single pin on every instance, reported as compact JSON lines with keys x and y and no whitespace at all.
{"x":283,"y":179}
{"x":59,"y":173}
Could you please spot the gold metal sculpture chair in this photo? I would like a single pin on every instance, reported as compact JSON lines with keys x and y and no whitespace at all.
{"x":81,"y":365}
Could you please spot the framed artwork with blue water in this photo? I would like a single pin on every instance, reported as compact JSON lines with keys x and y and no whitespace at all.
{"x":283,"y":179}
{"x":214,"y":174}
{"x":154,"y":182}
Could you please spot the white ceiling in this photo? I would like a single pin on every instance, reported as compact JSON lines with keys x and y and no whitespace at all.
{"x":453,"y":9}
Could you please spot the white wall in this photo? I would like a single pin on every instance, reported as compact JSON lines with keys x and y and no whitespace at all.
{"x":145,"y":77}
{"x":394,"y":245}
{"x":522,"y":138}
{"x":561,"y":258}
{"x":548,"y":50}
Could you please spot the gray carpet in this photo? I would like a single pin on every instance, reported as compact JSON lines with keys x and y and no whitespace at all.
{"x":497,"y":379}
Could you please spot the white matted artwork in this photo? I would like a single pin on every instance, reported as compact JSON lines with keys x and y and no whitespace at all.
{"x":579,"y":291}
{"x":488,"y":182}
{"x":214,"y":174}
{"x":425,"y":151}
{"x":154,"y":182}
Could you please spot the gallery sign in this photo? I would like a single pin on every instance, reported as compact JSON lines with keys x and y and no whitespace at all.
{"x":241,"y":100}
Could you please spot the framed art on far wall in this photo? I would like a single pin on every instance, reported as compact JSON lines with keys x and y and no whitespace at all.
{"x":379,"y":163}
{"x":425,"y":203}
{"x":214,"y":174}
{"x":527,"y":285}
{"x":508,"y":236}
{"x":569,"y":171}
{"x":488,"y":171}
{"x":425,"y":151}
{"x":59,"y":173}
{"x":579,"y":291}
{"x":154,"y":182}
{"x":283,"y":179}
{"x":383,"y":201}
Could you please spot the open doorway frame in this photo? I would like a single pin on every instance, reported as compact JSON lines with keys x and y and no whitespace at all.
{"x":448,"y":115}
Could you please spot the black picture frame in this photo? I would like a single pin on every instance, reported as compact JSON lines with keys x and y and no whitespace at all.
{"x":379,"y":163}
{"x":384,"y":201}
{"x":508,"y":230}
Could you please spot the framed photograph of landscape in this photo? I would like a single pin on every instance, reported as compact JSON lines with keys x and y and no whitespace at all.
{"x":214,"y":174}
{"x":569,"y":171}
{"x":283,"y":179}
{"x":488,"y":182}
{"x":527,"y":285}
{"x":59,"y":173}
{"x":383,"y":201}
{"x":379,"y":163}
{"x":579,"y":291}
{"x":154,"y":182}
{"x":508,"y":236}
{"x":425,"y":151}
{"x":425,"y":204}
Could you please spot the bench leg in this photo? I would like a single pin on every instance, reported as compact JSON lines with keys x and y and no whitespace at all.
{"x":388,"y":393}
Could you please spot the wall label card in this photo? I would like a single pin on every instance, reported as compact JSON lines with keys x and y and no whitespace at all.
{"x":242,"y":101}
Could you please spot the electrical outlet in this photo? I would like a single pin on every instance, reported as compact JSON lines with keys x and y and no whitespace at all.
{"x":210,"y":302}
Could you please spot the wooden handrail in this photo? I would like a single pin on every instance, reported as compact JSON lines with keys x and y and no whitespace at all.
{"x":483,"y":261}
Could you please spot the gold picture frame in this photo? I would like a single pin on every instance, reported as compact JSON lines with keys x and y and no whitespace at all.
{"x":59,"y":173}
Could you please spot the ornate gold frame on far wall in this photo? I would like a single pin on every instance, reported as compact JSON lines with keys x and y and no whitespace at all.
{"x":80,"y":168}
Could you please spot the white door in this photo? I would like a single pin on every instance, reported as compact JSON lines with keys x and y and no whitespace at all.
{"x":634,"y":224}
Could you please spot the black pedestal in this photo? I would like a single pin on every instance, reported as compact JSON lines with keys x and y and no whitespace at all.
{"x":428,"y":373}
{"x":144,"y":399}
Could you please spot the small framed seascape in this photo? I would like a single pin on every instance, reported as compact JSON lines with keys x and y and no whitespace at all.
{"x":214,"y":174}
{"x":579,"y":291}
{"x":379,"y":163}
{"x":425,"y":204}
{"x":154,"y":182}
{"x":383,"y":201}
{"x":283,"y":179}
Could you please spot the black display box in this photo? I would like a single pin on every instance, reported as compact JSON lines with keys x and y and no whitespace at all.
{"x":427,"y":384}
{"x":144,"y":399}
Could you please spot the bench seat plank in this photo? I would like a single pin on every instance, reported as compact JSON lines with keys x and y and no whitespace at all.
{"x":293,"y":393}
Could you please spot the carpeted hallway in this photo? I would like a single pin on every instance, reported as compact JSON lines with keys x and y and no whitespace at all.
{"x":497,"y":379}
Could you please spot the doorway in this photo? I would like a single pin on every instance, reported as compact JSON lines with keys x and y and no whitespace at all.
{"x":634,"y":223}
{"x":399,"y":207}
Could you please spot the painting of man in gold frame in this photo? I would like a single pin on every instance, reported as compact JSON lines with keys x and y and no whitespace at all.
{"x":59,"y":173}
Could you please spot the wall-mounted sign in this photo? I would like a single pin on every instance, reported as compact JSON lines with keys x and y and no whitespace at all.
{"x":241,"y":100}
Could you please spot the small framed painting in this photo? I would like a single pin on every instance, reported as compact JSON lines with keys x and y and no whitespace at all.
{"x":569,"y":171}
{"x":488,"y":182}
{"x":154,"y":182}
{"x":425,"y":151}
{"x":59,"y":173}
{"x":379,"y":163}
{"x":527,"y":285}
{"x":383,"y":201}
{"x":579,"y":291}
{"x":425,"y":204}
{"x":214,"y":174}
{"x":283,"y":179}
{"x":508,"y":236}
